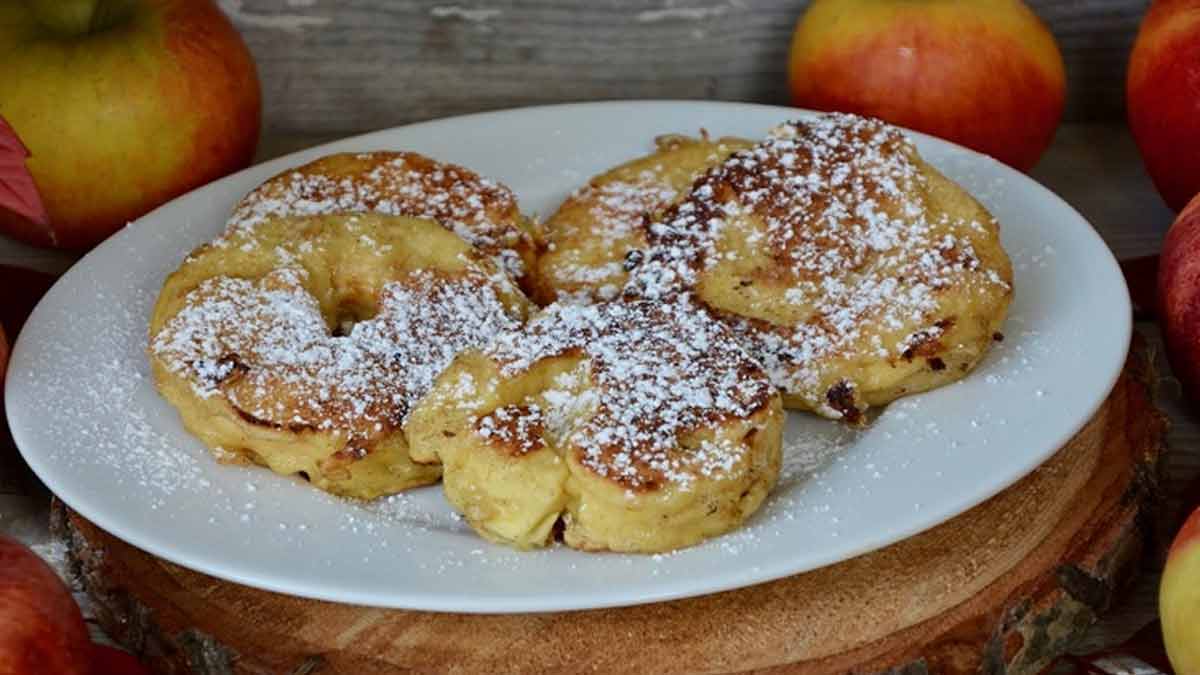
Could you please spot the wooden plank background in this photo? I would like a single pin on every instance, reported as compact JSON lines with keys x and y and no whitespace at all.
{"x":340,"y":66}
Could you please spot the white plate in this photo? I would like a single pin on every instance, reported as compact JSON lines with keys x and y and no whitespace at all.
{"x":88,"y":420}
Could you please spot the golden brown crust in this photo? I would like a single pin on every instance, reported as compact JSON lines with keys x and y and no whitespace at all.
{"x":839,"y":256}
{"x":660,"y":370}
{"x":512,"y":429}
{"x":586,"y":240}
{"x":303,"y":343}
{"x":643,"y":425}
{"x":481,"y":211}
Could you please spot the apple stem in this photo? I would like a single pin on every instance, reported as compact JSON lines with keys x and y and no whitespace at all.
{"x":70,"y":18}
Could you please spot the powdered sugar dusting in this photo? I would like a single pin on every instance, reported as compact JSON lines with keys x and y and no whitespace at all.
{"x":588,"y":237}
{"x":619,"y":207}
{"x":100,"y":411}
{"x":266,"y":347}
{"x":660,"y":370}
{"x":481,"y":211}
{"x":806,"y":451}
{"x":519,"y":427}
{"x":838,"y":198}
{"x":616,"y":212}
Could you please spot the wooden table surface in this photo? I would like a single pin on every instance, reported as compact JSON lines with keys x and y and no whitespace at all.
{"x":1095,"y":167}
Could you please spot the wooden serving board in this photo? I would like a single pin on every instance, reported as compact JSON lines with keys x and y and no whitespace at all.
{"x":1003,"y":588}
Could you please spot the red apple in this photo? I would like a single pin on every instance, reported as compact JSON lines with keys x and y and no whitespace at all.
{"x":111,"y":661}
{"x":123,"y":104}
{"x":41,"y":628}
{"x":1179,"y":297}
{"x":1179,"y":599}
{"x":1162,"y":95}
{"x":985,"y":74}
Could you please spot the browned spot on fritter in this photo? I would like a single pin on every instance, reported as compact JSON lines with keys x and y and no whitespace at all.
{"x":841,"y":398}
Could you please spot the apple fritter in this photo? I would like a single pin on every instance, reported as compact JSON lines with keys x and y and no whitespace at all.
{"x":850,"y":268}
{"x":588,"y":237}
{"x":303,"y":343}
{"x":481,"y":211}
{"x":636,"y":426}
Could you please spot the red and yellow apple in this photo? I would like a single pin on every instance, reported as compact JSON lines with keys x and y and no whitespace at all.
{"x":1179,"y":599}
{"x":985,"y":74}
{"x":123,"y":105}
{"x":111,"y":661}
{"x":1162,"y":97}
{"x":41,"y":628}
{"x":1179,"y":297}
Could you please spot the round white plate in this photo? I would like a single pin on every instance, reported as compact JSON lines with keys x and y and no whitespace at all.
{"x":87,"y":418}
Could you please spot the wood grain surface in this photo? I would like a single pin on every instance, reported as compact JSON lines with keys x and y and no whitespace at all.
{"x":336,"y":66}
{"x":1003,"y":588}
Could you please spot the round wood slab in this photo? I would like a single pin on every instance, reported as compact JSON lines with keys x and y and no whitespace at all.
{"x":1003,"y":588}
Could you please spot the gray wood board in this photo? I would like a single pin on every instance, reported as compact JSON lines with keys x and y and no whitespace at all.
{"x":330,"y":66}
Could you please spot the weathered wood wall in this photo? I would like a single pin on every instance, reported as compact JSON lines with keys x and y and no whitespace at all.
{"x":339,"y":66}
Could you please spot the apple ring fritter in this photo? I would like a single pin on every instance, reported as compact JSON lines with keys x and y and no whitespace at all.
{"x":303,"y":343}
{"x":853,"y":271}
{"x":636,"y":426}
{"x":587,"y":238}
{"x":481,"y":211}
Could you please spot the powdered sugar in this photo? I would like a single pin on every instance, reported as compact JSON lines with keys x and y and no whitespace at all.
{"x":266,"y":346}
{"x":842,"y":221}
{"x":618,"y":207}
{"x":101,"y":406}
{"x":659,"y":371}
{"x":481,"y":211}
{"x":615,"y":214}
{"x":590,"y":234}
{"x":518,"y":427}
